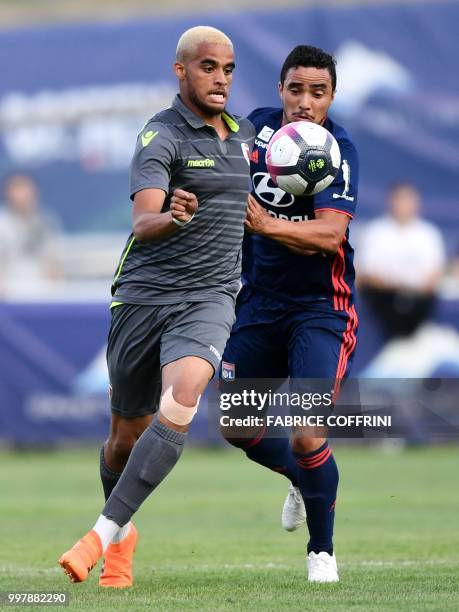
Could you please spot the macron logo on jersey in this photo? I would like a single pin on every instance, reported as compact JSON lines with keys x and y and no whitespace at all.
{"x":148,"y":137}
{"x":201,"y":163}
{"x":266,"y":134}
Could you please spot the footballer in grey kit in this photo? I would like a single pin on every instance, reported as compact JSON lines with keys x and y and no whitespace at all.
{"x":173,"y":293}
{"x":193,"y":274}
{"x":176,"y":149}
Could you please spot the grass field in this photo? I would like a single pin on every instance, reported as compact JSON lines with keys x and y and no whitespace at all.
{"x":211,"y":536}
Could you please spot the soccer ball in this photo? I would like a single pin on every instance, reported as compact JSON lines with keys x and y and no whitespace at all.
{"x":303,"y":158}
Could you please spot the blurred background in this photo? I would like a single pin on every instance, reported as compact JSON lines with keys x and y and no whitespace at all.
{"x":79,"y":80}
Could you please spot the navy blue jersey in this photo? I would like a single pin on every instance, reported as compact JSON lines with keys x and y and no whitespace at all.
{"x":269,"y":266}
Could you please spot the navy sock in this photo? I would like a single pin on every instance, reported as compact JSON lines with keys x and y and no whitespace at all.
{"x":109,"y":477}
{"x":273,"y":453}
{"x":318,"y":483}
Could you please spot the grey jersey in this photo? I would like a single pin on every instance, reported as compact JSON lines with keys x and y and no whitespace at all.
{"x":176,"y":149}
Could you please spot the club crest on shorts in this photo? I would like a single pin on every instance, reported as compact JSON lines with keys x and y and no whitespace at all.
{"x":246,"y":151}
{"x":228,"y":370}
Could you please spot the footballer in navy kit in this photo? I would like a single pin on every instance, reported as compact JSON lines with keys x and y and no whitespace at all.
{"x":295,"y":315}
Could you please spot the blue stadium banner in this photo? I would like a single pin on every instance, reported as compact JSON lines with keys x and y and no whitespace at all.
{"x":73,"y":97}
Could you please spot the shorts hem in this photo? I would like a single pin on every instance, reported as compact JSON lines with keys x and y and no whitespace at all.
{"x":132,"y":415}
{"x":214,"y":365}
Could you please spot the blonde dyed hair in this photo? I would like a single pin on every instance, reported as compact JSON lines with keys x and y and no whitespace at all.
{"x":192,"y":38}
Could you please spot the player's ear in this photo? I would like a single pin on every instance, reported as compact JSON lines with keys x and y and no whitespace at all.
{"x":280,"y":89}
{"x":179,"y":70}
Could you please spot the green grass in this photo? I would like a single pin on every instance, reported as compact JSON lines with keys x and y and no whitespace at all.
{"x":210,"y":537}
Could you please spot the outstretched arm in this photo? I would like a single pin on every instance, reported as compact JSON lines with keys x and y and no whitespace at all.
{"x":323,"y":234}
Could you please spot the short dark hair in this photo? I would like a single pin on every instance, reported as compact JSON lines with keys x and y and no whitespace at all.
{"x":309,"y":57}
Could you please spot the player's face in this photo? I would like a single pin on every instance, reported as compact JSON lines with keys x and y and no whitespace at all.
{"x":306,"y":94}
{"x":205,"y":78}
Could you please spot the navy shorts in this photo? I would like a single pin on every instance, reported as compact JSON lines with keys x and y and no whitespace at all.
{"x":273,"y":340}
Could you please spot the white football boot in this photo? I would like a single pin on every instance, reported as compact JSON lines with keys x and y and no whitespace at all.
{"x":322,"y":567}
{"x":293,"y":512}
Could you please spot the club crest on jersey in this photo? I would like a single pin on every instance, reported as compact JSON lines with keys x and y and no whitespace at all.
{"x":228,"y":370}
{"x":265,"y":133}
{"x":246,"y":151}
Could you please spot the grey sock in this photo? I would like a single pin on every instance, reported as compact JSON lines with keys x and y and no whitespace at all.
{"x":154,"y":455}
{"x":109,"y":477}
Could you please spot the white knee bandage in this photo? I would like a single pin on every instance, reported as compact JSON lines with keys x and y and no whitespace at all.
{"x":175,"y":412}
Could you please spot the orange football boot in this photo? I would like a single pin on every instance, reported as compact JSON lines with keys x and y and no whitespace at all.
{"x":82,"y":557}
{"x":117,"y":570}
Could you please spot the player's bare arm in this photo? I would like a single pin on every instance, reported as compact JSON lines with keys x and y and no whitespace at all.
{"x":324,"y":233}
{"x":150,"y":224}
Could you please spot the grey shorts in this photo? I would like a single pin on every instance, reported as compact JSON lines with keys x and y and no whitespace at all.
{"x":142,"y":339}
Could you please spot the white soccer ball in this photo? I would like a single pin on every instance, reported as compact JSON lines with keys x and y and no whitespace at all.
{"x":303,"y":158}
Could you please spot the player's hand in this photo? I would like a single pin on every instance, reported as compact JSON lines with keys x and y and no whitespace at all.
{"x":184,"y":205}
{"x":257,"y":216}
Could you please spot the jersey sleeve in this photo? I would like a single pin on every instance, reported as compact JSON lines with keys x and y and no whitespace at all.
{"x":341,"y":196}
{"x":154,"y":156}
